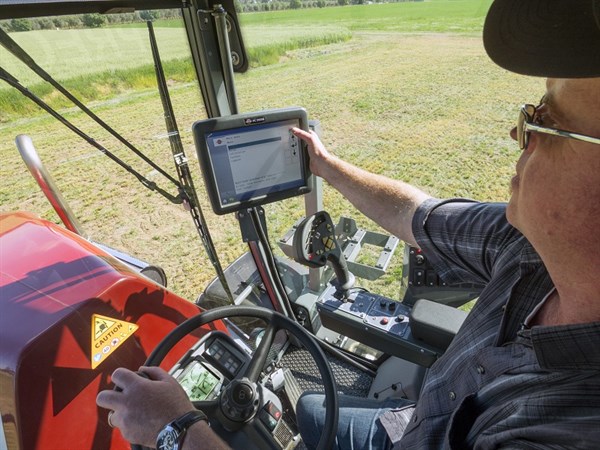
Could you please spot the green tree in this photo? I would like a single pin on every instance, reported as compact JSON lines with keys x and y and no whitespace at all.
{"x":93,"y":20}
{"x":20,"y":25}
{"x":45,"y":23}
{"x":149,"y":15}
{"x":73,"y":21}
{"x":295,"y":4}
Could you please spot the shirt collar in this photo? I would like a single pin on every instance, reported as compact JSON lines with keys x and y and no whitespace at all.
{"x":560,"y":347}
{"x":567,"y":347}
{"x":529,"y":255}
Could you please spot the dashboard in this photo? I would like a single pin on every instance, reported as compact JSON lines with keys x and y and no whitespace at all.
{"x":211,"y":365}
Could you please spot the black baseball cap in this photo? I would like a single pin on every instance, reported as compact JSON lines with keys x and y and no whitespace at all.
{"x":548,"y":38}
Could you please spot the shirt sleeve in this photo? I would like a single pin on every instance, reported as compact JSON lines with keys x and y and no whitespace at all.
{"x":462,"y":238}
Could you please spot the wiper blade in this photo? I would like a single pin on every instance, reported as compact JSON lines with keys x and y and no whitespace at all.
{"x":12,"y":81}
{"x":9,"y":44}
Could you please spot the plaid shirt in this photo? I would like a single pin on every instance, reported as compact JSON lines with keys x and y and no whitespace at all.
{"x":501,"y":384}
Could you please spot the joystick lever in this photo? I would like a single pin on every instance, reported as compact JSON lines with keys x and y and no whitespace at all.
{"x":314,"y":244}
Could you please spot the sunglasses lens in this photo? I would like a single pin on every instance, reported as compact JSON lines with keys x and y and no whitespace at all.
{"x":525,"y":116}
{"x":521,"y":135}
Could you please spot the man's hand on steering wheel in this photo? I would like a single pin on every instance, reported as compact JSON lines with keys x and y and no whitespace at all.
{"x":143,"y":406}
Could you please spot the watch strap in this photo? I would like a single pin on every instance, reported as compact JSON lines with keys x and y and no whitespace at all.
{"x":185,"y":421}
{"x":172,"y":435}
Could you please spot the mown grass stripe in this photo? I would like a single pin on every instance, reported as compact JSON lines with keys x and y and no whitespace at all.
{"x":108,"y":83}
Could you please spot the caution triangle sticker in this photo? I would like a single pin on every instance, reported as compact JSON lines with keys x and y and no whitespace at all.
{"x":107,"y":335}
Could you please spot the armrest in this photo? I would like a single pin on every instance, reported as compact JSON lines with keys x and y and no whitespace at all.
{"x":434,"y":323}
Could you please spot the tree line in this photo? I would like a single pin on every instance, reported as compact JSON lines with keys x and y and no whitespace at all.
{"x":85,"y":20}
{"x":99,"y":20}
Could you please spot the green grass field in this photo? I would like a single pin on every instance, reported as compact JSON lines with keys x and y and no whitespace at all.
{"x":456,"y":16}
{"x":429,"y":108}
{"x":93,"y":51}
{"x":109,"y":61}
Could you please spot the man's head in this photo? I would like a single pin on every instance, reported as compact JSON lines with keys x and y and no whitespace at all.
{"x":555,"y":198}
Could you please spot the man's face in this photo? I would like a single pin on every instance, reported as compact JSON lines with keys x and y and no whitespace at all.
{"x":555,"y":198}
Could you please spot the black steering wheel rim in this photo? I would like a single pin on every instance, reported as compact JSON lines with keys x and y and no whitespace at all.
{"x":281,"y":322}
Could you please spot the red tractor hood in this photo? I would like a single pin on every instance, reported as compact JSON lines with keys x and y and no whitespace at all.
{"x":69,"y":315}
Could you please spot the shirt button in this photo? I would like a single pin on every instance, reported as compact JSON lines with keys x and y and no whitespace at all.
{"x":452,"y":395}
{"x":480,"y":370}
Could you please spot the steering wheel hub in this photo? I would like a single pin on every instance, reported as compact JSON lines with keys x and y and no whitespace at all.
{"x":240,"y":400}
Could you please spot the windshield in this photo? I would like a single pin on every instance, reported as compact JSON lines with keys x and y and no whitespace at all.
{"x":400,"y":89}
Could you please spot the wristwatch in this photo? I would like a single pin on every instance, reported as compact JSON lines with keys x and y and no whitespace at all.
{"x":171,"y":436}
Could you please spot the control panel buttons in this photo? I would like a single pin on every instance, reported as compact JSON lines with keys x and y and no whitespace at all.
{"x":270,"y":415}
{"x":418,"y":277}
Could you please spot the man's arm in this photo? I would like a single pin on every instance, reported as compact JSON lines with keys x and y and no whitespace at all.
{"x":390,"y":203}
{"x":145,"y":405}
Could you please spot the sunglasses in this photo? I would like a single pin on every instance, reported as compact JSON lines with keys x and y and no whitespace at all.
{"x":526,"y":124}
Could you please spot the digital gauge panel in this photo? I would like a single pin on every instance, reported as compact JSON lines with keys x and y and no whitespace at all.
{"x":198,"y":382}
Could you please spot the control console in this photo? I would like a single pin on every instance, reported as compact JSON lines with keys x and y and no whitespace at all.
{"x":376,"y":321}
{"x":371,"y":319}
{"x":214,"y":365}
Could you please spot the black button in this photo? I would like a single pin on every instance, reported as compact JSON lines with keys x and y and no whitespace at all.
{"x":431,"y":278}
{"x":419,"y":277}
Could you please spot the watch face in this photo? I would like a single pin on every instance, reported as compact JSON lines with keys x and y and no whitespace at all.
{"x":168,"y":439}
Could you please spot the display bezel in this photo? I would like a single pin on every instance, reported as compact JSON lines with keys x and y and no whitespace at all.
{"x":245,"y":123}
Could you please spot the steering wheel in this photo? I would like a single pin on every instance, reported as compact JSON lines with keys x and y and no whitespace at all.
{"x":238,"y":403}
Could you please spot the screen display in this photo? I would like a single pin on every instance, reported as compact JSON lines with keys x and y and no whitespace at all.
{"x":251,"y":159}
{"x":198,"y":382}
{"x":251,"y":163}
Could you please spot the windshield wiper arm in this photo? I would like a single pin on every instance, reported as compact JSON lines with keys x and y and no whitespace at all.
{"x":9,"y":44}
{"x":12,"y":81}
{"x":181,"y":163}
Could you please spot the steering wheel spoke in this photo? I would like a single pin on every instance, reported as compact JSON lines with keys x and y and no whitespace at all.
{"x":260,"y":355}
{"x":209,"y":407}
